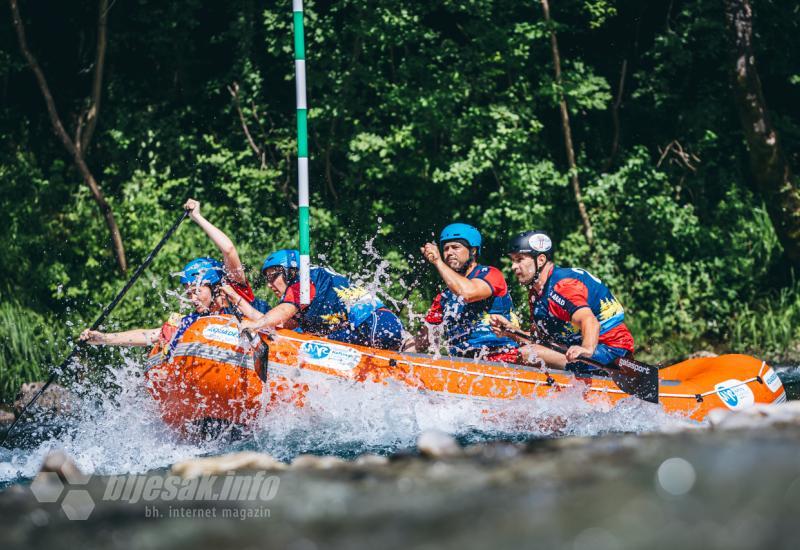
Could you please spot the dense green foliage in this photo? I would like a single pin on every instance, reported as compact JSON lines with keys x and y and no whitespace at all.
{"x":421,"y":113}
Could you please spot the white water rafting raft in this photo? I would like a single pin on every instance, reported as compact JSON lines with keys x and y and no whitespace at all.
{"x":215,"y":373}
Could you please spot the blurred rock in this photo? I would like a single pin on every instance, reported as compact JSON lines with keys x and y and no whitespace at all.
{"x":701,"y":354}
{"x":757,"y":416}
{"x":60,"y":463}
{"x":56,"y":399}
{"x":247,"y":460}
{"x":6,"y":417}
{"x":314,"y":462}
{"x":438,"y":444}
{"x":371,"y":460}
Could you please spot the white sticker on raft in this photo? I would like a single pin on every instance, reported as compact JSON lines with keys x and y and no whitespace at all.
{"x":735,"y":394}
{"x":772,"y":381}
{"x":222,"y":333}
{"x":332,"y":356}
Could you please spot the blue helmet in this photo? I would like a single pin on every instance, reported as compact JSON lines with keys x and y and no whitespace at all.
{"x":461,"y":232}
{"x":286,"y":258}
{"x":202,"y":270}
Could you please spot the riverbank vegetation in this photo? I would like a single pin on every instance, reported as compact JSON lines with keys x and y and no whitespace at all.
{"x":421,"y":113}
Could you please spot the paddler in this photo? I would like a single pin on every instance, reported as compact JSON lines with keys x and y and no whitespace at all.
{"x":234,"y":270}
{"x":568,"y":305}
{"x":338,"y":310}
{"x":473,"y":293}
{"x":205,"y":287}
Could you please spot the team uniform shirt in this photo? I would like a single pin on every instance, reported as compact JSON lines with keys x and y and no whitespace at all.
{"x":568,"y":290}
{"x":467,"y":326}
{"x":338,"y":308}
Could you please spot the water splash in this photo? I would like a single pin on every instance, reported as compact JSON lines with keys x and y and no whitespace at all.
{"x":120,"y":431}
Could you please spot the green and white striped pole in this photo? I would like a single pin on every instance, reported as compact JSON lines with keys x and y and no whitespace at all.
{"x":302,"y":150}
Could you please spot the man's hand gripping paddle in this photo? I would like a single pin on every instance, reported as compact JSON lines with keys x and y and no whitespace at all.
{"x":631,"y":376}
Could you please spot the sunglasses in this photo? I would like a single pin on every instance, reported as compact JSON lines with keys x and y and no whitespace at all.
{"x":271,"y":275}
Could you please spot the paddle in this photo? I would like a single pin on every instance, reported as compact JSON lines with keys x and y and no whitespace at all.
{"x":98,"y":321}
{"x":631,"y":376}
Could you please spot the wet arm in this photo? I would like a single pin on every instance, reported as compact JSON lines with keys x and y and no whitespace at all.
{"x":471,"y":290}
{"x":276,"y":317}
{"x":236,"y":300}
{"x":230,"y":256}
{"x":589,"y":326}
{"x":128,"y":338}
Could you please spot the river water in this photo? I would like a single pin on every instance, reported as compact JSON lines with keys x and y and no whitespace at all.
{"x":123,"y":433}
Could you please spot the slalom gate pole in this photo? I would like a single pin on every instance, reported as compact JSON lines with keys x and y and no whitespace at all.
{"x":302,"y":151}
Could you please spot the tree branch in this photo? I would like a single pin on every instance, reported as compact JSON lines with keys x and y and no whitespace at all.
{"x":69,"y":145}
{"x":93,"y":112}
{"x":258,"y":151}
{"x":565,"y":126}
{"x":615,"y":114}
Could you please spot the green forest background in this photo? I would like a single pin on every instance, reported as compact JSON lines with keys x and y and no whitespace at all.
{"x":421,"y":113}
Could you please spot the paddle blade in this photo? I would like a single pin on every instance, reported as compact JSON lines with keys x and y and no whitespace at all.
{"x":637,"y":379}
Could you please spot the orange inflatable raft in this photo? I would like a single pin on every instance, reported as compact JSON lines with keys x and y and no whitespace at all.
{"x":216,"y":373}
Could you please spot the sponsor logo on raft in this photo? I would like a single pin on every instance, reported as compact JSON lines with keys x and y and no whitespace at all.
{"x":735,"y":394}
{"x":772,"y":381}
{"x":222,"y":333}
{"x":332,"y":356}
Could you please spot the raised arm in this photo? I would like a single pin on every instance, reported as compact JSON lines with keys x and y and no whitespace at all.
{"x":230,"y":257}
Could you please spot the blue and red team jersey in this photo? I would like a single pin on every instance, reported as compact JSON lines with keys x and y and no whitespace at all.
{"x":467,"y":327}
{"x":344,"y":312}
{"x":568,"y":290}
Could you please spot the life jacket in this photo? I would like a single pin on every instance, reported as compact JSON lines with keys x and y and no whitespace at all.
{"x":568,"y":290}
{"x":335,"y":302}
{"x":211,"y":339}
{"x":466,"y":325}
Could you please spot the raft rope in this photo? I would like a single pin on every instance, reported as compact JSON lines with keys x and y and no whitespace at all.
{"x":696,"y":396}
{"x":536,"y":383}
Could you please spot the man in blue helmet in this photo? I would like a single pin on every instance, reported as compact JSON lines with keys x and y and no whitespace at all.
{"x":203,"y":280}
{"x":338,"y":310}
{"x":235,"y":274}
{"x":474,"y":292}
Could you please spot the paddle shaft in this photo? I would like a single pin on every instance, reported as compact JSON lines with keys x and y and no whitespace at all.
{"x":106,"y":311}
{"x":555,"y":347}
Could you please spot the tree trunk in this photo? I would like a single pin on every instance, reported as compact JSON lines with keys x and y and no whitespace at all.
{"x":93,"y":112}
{"x":71,"y":146}
{"x":770,"y":168}
{"x":562,"y":101}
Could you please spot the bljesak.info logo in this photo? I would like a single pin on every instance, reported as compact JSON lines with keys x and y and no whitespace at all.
{"x":234,"y":495}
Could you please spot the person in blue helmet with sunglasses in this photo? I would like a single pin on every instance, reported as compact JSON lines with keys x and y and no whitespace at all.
{"x":473,"y":293}
{"x":205,"y":286}
{"x":338,"y":310}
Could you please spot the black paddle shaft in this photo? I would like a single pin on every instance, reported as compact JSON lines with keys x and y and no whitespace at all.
{"x":106,"y":311}
{"x":631,"y":376}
